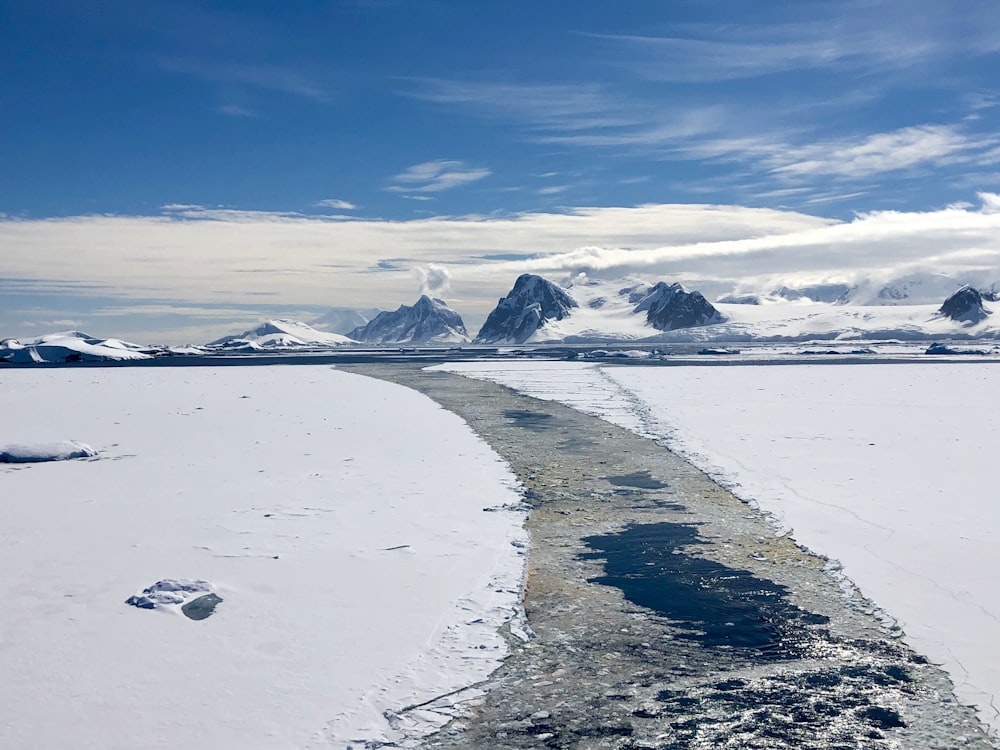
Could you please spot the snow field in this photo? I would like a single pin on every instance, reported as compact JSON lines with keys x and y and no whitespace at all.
{"x":887,"y":469}
{"x":339,"y":518}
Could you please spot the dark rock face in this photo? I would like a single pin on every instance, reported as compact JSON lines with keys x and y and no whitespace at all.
{"x":965,"y":305}
{"x":531,"y":303}
{"x":427,"y":321}
{"x":670,"y":306}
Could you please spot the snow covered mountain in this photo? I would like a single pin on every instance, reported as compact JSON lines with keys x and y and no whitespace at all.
{"x":343,"y":320}
{"x":428,"y":321}
{"x":72,"y":346}
{"x":592,"y":311}
{"x":671,"y":306}
{"x":917,"y":288}
{"x":537,"y":310}
{"x":280,"y":334}
{"x":925,"y":288}
{"x":831,"y":293}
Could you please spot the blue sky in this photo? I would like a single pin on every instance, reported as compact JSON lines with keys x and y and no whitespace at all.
{"x":393,"y":111}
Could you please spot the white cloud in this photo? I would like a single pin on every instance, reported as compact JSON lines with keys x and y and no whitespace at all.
{"x":876,"y":244}
{"x":181,"y":207}
{"x":435,"y":279}
{"x":990,"y":201}
{"x":435,"y":176}
{"x":336,"y":203}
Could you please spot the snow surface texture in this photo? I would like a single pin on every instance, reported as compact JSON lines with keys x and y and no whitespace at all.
{"x":884,"y":468}
{"x":339,"y":519}
{"x":62,"y":450}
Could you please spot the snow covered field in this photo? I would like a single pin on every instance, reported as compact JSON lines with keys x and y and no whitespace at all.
{"x":339,"y":519}
{"x":888,"y":469}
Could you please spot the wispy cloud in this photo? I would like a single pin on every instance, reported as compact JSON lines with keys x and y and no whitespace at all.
{"x":901,"y":149}
{"x":778,"y":48}
{"x":181,"y":207}
{"x":337,"y":203}
{"x":582,"y":115}
{"x":59,"y":323}
{"x":282,"y":79}
{"x":846,"y":36}
{"x":435,"y":176}
{"x":540,"y":106}
{"x":235,"y":110}
{"x":731,"y":132}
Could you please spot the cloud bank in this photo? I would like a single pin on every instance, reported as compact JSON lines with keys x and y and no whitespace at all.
{"x":193,"y":258}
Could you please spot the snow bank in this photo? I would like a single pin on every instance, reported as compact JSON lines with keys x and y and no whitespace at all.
{"x":886,"y":468}
{"x":338,"y":519}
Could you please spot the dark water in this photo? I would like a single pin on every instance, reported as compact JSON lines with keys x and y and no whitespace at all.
{"x":640,"y":480}
{"x":710,"y":603}
{"x":535,"y":421}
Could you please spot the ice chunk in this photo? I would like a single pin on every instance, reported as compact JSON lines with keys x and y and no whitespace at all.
{"x":35,"y":452}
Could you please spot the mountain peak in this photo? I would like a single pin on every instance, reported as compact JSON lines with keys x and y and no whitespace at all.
{"x":671,"y":306}
{"x":965,"y":305}
{"x":427,"y":321}
{"x":531,"y":303}
{"x":281,"y":333}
